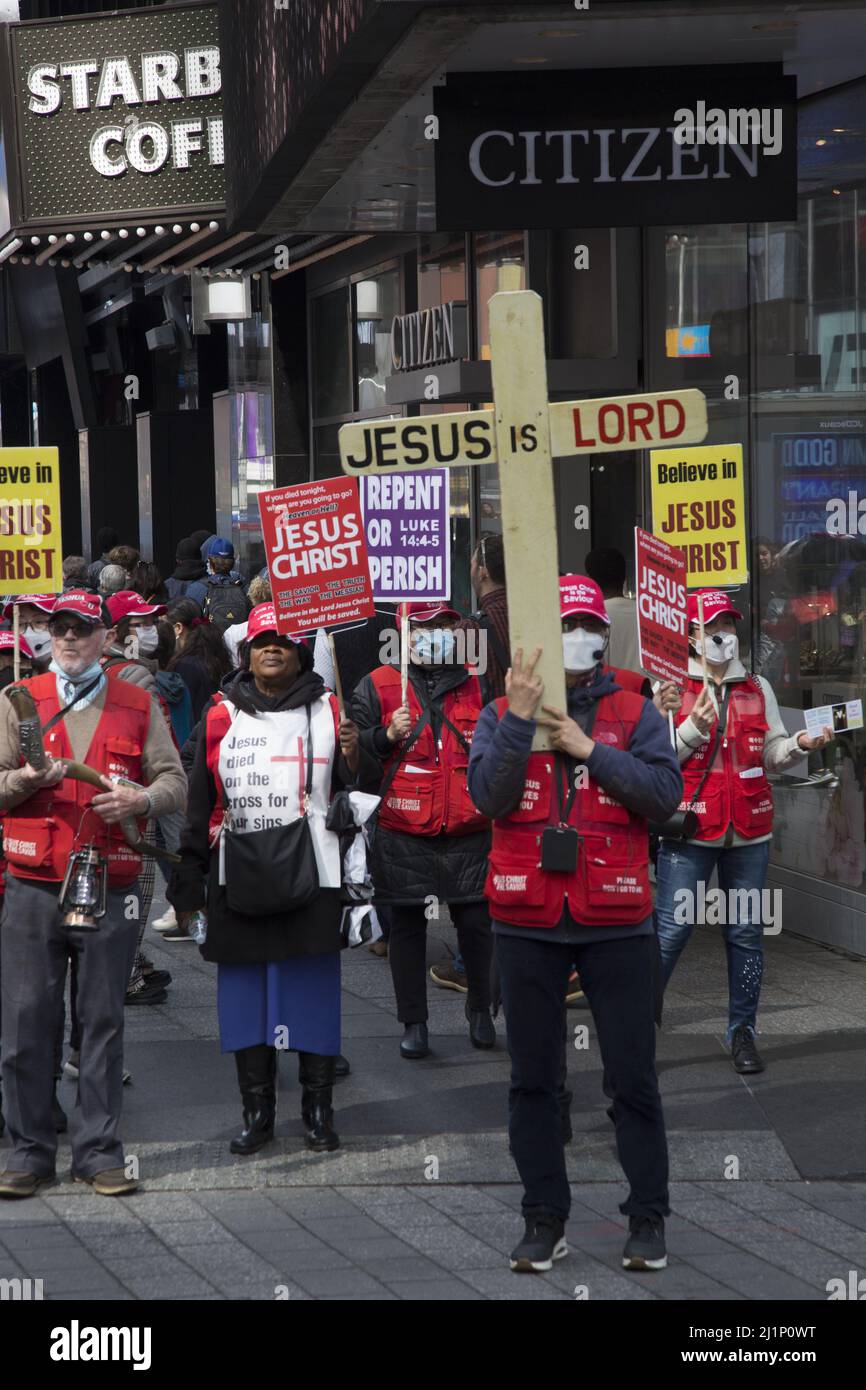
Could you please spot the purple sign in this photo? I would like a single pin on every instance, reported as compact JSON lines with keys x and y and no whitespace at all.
{"x":408,"y":535}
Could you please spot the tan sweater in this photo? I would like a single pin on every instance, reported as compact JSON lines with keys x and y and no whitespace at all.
{"x":162,"y":771}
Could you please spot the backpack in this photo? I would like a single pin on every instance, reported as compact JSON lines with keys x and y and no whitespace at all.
{"x":225,"y":604}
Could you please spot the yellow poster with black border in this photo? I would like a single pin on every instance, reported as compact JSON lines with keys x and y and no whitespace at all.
{"x":698,"y":504}
{"x":31,"y":549}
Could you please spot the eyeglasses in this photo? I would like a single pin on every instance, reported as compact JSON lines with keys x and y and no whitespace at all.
{"x":59,"y":627}
{"x":40,"y":622}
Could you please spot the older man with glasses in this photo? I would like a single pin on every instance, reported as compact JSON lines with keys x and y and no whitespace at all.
{"x":109,"y":725}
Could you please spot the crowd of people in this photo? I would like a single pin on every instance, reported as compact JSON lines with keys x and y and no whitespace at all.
{"x":167,"y":725}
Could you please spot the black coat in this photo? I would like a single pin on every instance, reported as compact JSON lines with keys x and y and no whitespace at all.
{"x":234,"y":938}
{"x":409,"y":868}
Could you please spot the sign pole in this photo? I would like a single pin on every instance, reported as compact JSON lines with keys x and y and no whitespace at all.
{"x":16,"y":633}
{"x":700,"y":599}
{"x":338,"y":684}
{"x":522,"y":424}
{"x":404,"y":653}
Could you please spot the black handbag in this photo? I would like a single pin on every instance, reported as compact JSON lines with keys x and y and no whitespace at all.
{"x":271,"y":872}
{"x":684,"y":825}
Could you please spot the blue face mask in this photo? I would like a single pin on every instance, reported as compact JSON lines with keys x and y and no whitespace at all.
{"x":434,"y":646}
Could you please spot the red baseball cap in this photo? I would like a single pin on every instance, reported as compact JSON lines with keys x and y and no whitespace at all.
{"x":44,"y":601}
{"x":7,"y":643}
{"x":264,"y":619}
{"x":126,"y":603}
{"x":716,"y":601}
{"x":425,"y":610}
{"x":85,"y":604}
{"x":577,"y":594}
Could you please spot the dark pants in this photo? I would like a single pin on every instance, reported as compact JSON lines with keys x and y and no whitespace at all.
{"x":407,"y":953}
{"x":617,"y":978}
{"x":35,"y":951}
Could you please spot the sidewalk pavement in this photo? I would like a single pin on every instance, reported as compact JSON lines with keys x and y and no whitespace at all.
{"x":421,"y":1202}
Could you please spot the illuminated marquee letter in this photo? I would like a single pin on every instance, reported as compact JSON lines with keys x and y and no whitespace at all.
{"x":44,"y":92}
{"x":185,"y":139}
{"x":147,"y":164}
{"x":79,"y":73}
{"x":117,"y":81}
{"x":107,"y":134}
{"x":202,"y":67}
{"x":475,"y":157}
{"x":159,"y":77}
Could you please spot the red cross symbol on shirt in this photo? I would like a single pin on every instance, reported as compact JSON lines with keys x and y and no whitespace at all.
{"x":302,"y":767}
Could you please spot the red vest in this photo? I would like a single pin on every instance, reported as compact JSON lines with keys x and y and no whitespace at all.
{"x":610,"y":886}
{"x":737,"y":789}
{"x":217,"y":724}
{"x":627,"y":680}
{"x":113,"y":668}
{"x":41,"y":833}
{"x":436,"y":800}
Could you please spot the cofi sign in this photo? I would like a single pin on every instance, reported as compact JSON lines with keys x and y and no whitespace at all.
{"x":116,"y":114}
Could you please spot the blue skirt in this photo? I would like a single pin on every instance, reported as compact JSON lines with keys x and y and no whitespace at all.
{"x":292,"y":1004}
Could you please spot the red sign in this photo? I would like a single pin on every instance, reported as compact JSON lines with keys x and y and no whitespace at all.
{"x":663,"y":631}
{"x":316,"y":554}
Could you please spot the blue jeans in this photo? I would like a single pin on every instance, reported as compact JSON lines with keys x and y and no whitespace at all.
{"x":681,"y":868}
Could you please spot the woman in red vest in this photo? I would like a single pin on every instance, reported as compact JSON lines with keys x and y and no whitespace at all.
{"x":569,"y":884}
{"x":431,"y":842}
{"x":728,"y":736}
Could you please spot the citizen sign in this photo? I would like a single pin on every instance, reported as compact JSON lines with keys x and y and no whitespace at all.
{"x":606,"y":148}
{"x":438,"y":334}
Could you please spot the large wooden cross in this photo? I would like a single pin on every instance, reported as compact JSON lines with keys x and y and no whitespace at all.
{"x":523,"y":433}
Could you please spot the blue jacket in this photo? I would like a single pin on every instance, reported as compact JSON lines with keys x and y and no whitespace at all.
{"x":646,"y":777}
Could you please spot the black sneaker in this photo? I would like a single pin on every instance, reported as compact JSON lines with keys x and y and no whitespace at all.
{"x":543,"y":1242}
{"x":645,"y":1247}
{"x":746,"y":1056}
{"x":146,"y":994}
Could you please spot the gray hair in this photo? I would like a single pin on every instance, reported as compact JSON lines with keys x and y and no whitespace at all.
{"x":112,"y":579}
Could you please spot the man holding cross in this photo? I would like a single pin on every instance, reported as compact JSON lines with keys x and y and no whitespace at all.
{"x":568,"y":883}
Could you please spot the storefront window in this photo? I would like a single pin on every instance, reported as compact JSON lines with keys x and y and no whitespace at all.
{"x":500,"y":264}
{"x":332,"y":379}
{"x":375,"y":302}
{"x":441,"y":270}
{"x":783,"y":307}
{"x":251,"y":462}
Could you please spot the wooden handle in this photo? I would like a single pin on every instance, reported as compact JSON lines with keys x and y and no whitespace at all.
{"x":338,"y":684}
{"x":16,"y":633}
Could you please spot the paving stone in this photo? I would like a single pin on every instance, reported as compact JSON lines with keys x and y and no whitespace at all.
{"x":435,"y":1291}
{"x":336,"y":1282}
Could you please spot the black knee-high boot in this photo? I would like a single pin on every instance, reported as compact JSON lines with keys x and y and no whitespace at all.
{"x":316,"y":1075}
{"x":257,"y":1078}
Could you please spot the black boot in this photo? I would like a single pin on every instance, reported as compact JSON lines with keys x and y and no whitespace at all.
{"x":58,"y":1114}
{"x":257,"y":1077}
{"x":2,"y":1121}
{"x":316,"y":1075}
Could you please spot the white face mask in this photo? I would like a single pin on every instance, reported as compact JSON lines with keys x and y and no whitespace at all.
{"x":581,"y":650}
{"x":38,"y":641}
{"x":148,"y":639}
{"x":721,"y":648}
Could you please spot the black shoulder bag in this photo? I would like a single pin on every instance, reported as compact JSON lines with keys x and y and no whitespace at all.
{"x":270,"y":872}
{"x":684,"y":825}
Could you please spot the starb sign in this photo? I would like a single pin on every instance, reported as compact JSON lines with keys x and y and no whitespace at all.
{"x":114,"y":115}
{"x":615,"y":147}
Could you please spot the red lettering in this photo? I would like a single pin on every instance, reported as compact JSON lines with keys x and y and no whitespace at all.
{"x":578,"y":437}
{"x":678,"y":428}
{"x":616,"y":411}
{"x":634,"y":424}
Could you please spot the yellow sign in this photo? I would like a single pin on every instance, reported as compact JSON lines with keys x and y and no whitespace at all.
{"x":31,"y":551}
{"x":698,"y":503}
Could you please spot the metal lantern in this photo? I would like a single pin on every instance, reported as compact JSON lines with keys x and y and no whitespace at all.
{"x":83,"y":896}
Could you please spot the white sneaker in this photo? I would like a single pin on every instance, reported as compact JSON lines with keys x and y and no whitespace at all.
{"x":166,"y":922}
